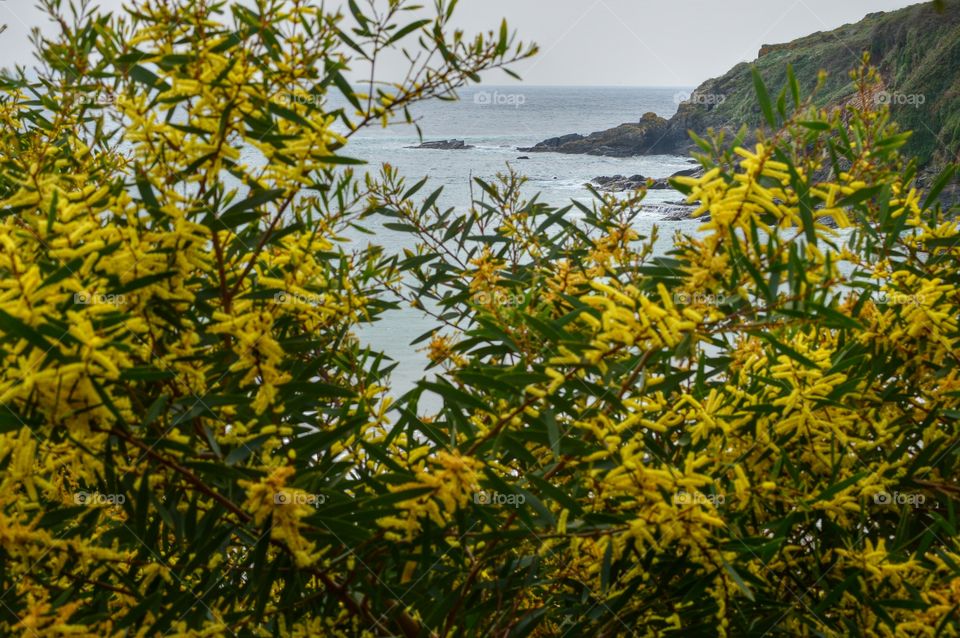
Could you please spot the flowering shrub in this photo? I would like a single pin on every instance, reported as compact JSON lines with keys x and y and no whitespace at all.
{"x":753,"y":434}
{"x":193,"y":439}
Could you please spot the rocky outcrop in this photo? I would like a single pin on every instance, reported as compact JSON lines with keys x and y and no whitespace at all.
{"x":767,"y":49}
{"x":444,"y":145}
{"x":649,"y":136}
{"x":553,"y":144}
{"x":619,"y":183}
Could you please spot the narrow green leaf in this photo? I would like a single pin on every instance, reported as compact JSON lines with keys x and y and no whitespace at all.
{"x":763,"y":97}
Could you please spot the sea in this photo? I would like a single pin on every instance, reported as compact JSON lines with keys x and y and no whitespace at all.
{"x":496,"y":121}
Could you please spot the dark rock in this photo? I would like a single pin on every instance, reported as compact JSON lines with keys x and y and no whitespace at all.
{"x":689,"y":172}
{"x":554,"y":143}
{"x":523,"y":157}
{"x":949,"y":196}
{"x":648,"y":136}
{"x":767,"y":49}
{"x":444,"y":145}
{"x":619,"y":183}
{"x":677,"y":213}
{"x":604,"y":180}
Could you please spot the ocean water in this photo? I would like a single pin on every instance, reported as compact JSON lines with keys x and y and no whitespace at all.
{"x":496,"y":121}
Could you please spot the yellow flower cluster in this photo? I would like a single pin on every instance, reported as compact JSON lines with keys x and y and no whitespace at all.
{"x":449,"y":481}
{"x":285,"y":506}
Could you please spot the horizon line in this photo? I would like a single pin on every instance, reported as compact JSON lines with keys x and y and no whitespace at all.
{"x":567,"y":86}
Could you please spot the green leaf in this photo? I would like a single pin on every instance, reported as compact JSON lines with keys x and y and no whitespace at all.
{"x":52,"y":214}
{"x":147,"y":373}
{"x":860,"y":196}
{"x":410,"y":28}
{"x":786,"y":350}
{"x":739,"y":581}
{"x":145,"y":76}
{"x":159,"y":404}
{"x":13,"y":326}
{"x":794,"y":85}
{"x":146,"y":193}
{"x":431,"y":200}
{"x":455,"y":396}
{"x":941,"y":182}
{"x":763,"y":97}
{"x":340,"y":160}
{"x":553,"y":432}
{"x":346,"y":90}
{"x":606,"y":567}
{"x":836,"y":488}
{"x":253,"y":201}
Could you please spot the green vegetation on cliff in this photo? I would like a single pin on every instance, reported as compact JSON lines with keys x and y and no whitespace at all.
{"x":916,"y":49}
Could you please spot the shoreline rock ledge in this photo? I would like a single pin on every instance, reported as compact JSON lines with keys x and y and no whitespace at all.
{"x":444,"y":145}
{"x":652,"y":135}
{"x":619,"y":183}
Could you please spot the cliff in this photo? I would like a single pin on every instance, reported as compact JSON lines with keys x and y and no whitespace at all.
{"x":916,"y":49}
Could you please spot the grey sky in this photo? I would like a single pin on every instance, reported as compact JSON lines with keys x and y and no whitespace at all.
{"x":602,"y":42}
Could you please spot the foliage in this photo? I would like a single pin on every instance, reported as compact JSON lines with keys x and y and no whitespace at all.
{"x":754,"y":434}
{"x":179,"y":369}
{"x":916,"y":49}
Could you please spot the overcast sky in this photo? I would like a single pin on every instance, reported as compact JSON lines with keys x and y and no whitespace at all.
{"x":601,"y":42}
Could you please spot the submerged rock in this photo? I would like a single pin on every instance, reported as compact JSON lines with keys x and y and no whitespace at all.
{"x":679,"y":213}
{"x":619,"y":183}
{"x":444,"y":145}
{"x":689,"y":172}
